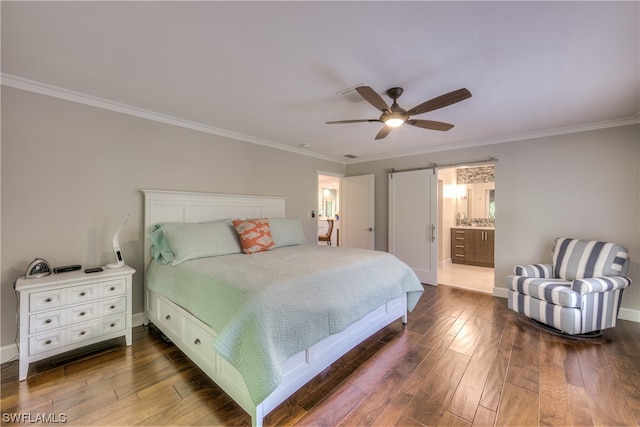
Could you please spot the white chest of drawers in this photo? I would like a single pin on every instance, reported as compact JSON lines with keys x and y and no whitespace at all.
{"x":66,"y":311}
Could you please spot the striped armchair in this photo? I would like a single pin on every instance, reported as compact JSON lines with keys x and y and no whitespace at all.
{"x":579,"y":293}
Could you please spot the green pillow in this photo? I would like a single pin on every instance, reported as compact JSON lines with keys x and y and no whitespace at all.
{"x":199,"y":240}
{"x":160,"y":248}
{"x":287,"y":232}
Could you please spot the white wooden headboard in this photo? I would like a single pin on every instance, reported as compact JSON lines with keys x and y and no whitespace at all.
{"x":179,"y":206}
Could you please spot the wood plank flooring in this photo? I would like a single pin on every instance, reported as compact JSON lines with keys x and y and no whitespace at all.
{"x":463,"y":359}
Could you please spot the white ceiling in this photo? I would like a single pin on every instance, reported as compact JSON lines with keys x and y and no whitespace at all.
{"x":269,"y":72}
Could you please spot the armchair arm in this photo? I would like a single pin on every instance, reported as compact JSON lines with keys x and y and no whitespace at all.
{"x":599,"y":284}
{"x":543,"y":271}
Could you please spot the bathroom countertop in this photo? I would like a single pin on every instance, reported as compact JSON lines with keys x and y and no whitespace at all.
{"x":472,"y":227}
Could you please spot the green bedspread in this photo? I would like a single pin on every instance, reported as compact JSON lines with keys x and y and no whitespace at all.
{"x":268,"y":306}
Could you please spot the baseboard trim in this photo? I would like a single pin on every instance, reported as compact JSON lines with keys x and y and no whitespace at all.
{"x":500,"y":292}
{"x":137,"y":319}
{"x":443,"y":263}
{"x":10,"y":352}
{"x":629,"y":314}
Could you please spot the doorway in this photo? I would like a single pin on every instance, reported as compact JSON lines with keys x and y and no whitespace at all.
{"x":466,"y":206}
{"x":328,"y":217}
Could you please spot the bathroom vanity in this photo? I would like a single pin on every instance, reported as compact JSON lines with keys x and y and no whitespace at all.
{"x":473,"y":245}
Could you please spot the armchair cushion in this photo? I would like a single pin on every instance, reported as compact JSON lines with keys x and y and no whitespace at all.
{"x":577,"y":259}
{"x":555,"y":291}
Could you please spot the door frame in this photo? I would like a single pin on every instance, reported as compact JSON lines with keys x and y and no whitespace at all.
{"x":446,"y":234}
{"x":338,"y":177}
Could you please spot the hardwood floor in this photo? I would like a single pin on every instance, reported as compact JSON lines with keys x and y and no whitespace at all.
{"x":463,"y":359}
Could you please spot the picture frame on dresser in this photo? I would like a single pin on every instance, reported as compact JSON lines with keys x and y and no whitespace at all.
{"x":67,"y":311}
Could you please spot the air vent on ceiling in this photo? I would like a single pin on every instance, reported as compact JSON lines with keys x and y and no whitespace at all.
{"x":351,"y":94}
{"x":350,"y":156}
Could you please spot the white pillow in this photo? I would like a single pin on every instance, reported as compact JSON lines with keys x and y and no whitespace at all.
{"x":199,"y":240}
{"x":287,"y":232}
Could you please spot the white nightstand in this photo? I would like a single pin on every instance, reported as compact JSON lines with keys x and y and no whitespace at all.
{"x":66,"y":311}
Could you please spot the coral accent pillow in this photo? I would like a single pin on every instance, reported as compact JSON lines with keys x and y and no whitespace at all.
{"x":255,"y":235}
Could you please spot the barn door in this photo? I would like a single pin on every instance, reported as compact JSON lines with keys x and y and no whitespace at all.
{"x":413,"y":219}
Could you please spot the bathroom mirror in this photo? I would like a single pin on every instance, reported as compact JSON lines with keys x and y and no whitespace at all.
{"x":475,"y":201}
{"x":328,"y":208}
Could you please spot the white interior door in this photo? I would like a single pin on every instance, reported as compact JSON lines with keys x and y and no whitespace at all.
{"x":413,"y":218}
{"x":357,"y":218}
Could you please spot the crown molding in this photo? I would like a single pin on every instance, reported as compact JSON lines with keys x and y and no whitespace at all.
{"x":504,"y":139}
{"x":94,"y":101}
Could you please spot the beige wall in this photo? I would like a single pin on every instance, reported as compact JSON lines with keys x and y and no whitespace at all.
{"x":70,"y":174}
{"x":584,"y":185}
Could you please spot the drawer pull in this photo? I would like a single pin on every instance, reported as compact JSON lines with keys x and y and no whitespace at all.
{"x":47,"y":321}
{"x":113,"y":288}
{"x":197,"y":341}
{"x":47,"y":300}
{"x":83,"y":293}
{"x":47,"y":342}
{"x":459,"y":246}
{"x":112,"y":325}
{"x":460,"y":255}
{"x":82,"y":313}
{"x":168,"y":317}
{"x":82,"y":332}
{"x":112,"y":306}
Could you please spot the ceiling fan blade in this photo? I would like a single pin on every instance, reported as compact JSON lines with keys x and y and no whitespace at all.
{"x":384,"y":132}
{"x":429,"y":124}
{"x":372,"y":97}
{"x":441,"y":101}
{"x":338,"y":122}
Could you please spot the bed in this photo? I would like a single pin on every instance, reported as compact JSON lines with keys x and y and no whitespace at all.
{"x":261,"y":319}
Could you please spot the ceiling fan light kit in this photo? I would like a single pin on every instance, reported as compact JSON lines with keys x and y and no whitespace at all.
{"x":396,"y":116}
{"x":394,"y":122}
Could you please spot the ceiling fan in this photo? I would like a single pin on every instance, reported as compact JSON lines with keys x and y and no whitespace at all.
{"x":395,"y":115}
